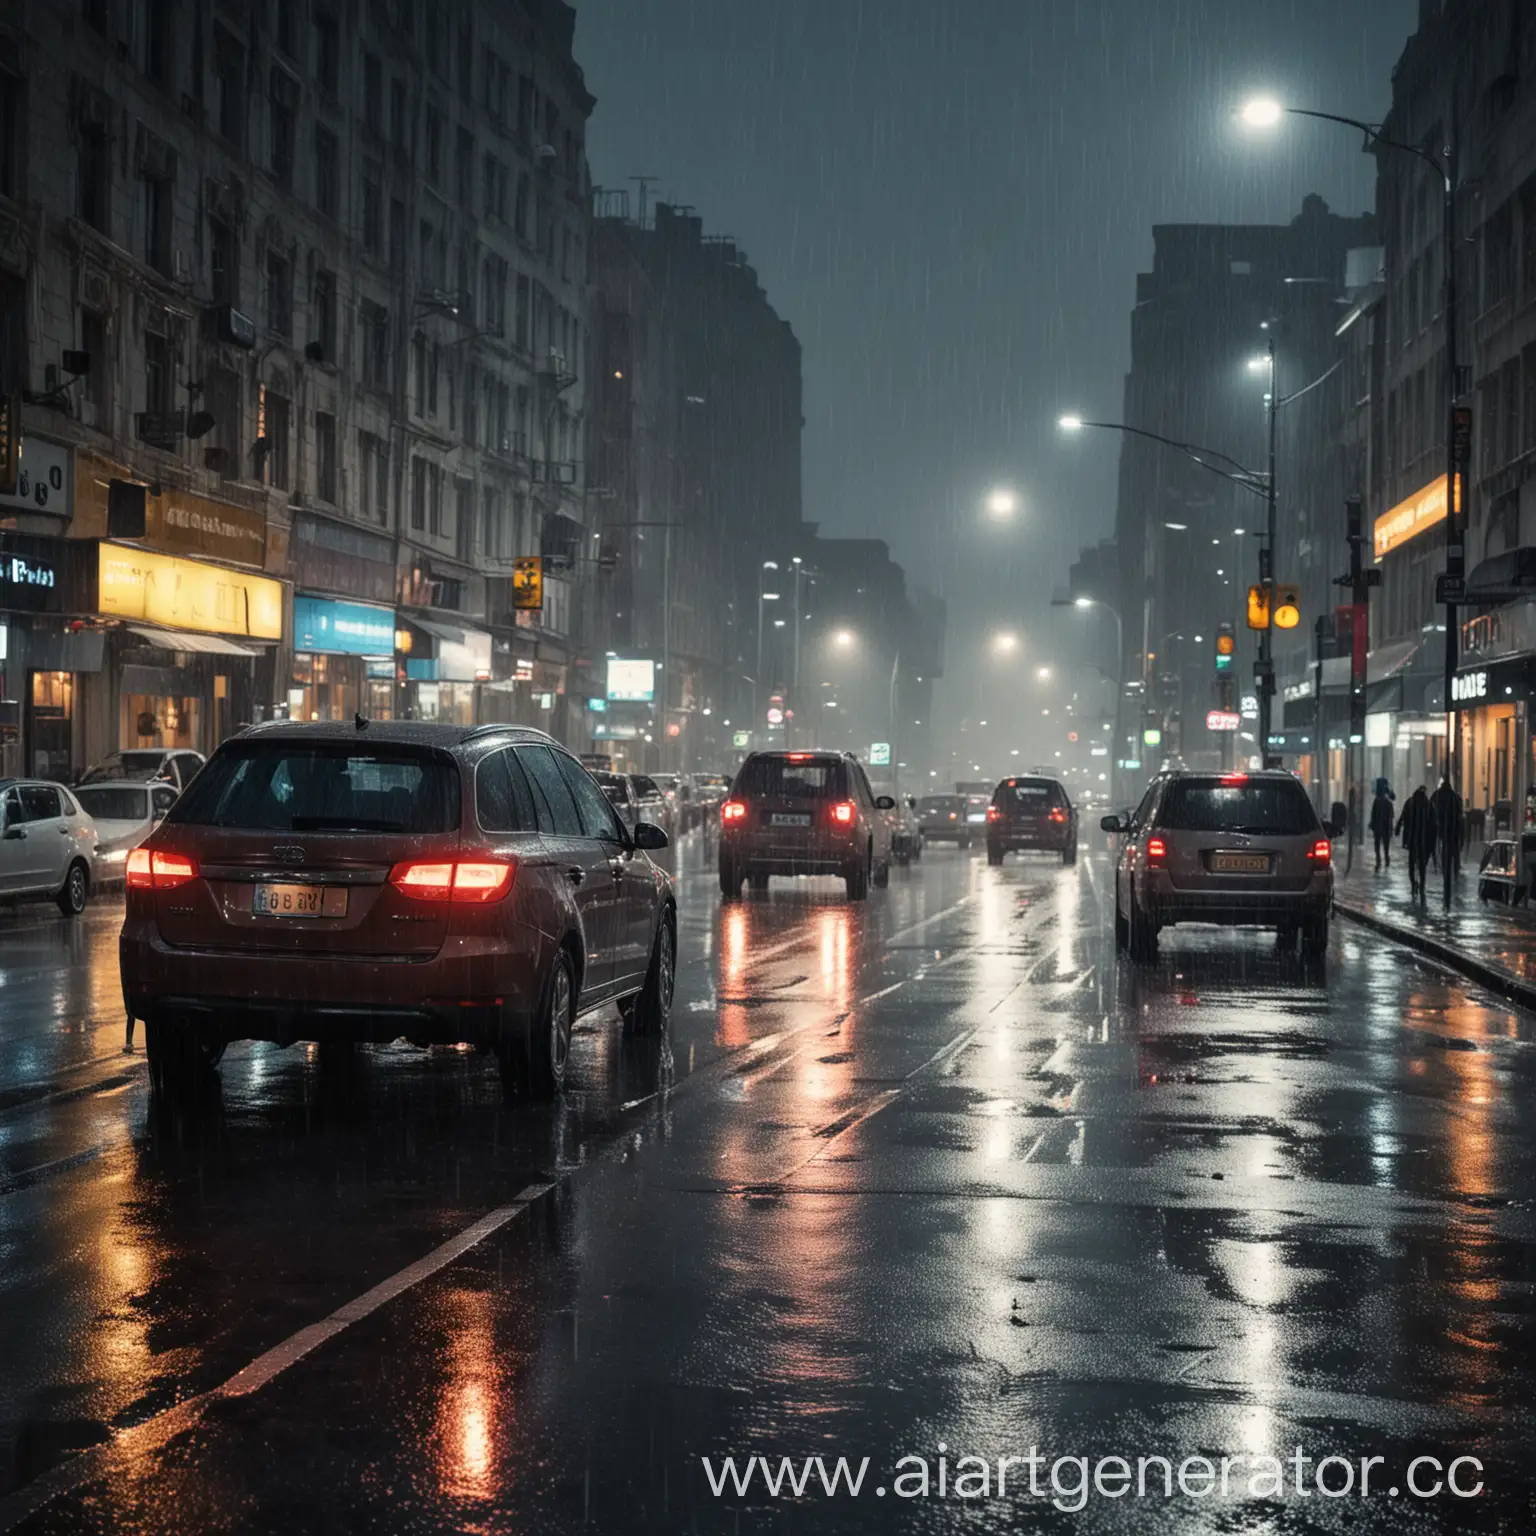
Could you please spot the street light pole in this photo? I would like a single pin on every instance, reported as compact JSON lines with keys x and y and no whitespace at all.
{"x":1114,"y":613}
{"x":1266,"y":665}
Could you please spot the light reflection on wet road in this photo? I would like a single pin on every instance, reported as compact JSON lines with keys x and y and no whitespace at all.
{"x":931,"y":1168}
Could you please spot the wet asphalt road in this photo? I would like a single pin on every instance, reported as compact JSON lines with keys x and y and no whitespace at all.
{"x":933,"y":1169}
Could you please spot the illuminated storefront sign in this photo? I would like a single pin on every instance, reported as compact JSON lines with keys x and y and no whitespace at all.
{"x":631,"y":680}
{"x":1408,"y":519}
{"x":349,"y":629}
{"x":186,"y":594}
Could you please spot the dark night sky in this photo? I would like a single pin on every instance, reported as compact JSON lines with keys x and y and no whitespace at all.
{"x":949,"y":200}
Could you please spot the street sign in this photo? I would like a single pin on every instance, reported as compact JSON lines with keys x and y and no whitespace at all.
{"x":528,"y":583}
{"x":1222,"y":720}
{"x":1250,"y":706}
{"x":1450,"y":589}
{"x":879,"y":754}
{"x":1461,"y":435}
{"x":775,"y":716}
{"x":741,"y":738}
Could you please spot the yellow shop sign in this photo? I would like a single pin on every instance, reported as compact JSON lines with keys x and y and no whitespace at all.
{"x":186,"y":594}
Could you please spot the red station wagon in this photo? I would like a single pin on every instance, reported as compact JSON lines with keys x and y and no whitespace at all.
{"x":371,"y":881}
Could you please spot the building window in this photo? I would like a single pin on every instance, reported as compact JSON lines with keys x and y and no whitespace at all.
{"x":1528,"y":434}
{"x":228,"y":112}
{"x":493,"y":285}
{"x":157,"y":40}
{"x":98,"y":380}
{"x":375,"y":328}
{"x":419,"y":371}
{"x":373,"y":469}
{"x":223,"y":400}
{"x":223,"y":262}
{"x":327,"y":178}
{"x":325,"y":456}
{"x":373,"y":212}
{"x":520,"y":211}
{"x":1498,"y":256}
{"x":328,"y":52}
{"x":286,"y":26}
{"x":1509,"y":388}
{"x":464,"y":517}
{"x":397,"y":256}
{"x":373,"y":92}
{"x":95,"y":171}
{"x":280,"y":294}
{"x":523,"y":334}
{"x":466,"y":168}
{"x":418,"y":495}
{"x":490,"y":522}
{"x":159,"y":202}
{"x":274,"y":426}
{"x":283,"y":96}
{"x":434,"y":501}
{"x":98,"y":15}
{"x":434,"y":125}
{"x":397,"y":112}
{"x":157,"y":374}
{"x":322,"y":326}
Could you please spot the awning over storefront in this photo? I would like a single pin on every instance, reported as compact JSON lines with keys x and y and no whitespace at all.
{"x":185,"y":640}
{"x":440,"y":631}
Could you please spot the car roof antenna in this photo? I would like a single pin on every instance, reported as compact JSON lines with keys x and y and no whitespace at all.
{"x":360,"y":721}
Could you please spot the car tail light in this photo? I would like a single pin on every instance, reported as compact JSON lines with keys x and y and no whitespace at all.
{"x":1057,"y":814}
{"x":477,"y":880}
{"x":993,"y":814}
{"x":842,"y":813}
{"x":1157,"y":850}
{"x":137,"y":872}
{"x":1322,"y":851}
{"x":157,"y":871}
{"x":733,"y":810}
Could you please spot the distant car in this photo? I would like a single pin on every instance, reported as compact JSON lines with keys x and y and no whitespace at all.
{"x":636,"y":797}
{"x":942,"y":820}
{"x":47,"y":844}
{"x":804,"y":813}
{"x":1031,"y":812}
{"x":677,"y":790}
{"x":1231,"y":848}
{"x":710,"y":789}
{"x":125,"y":813}
{"x":141,"y":764}
{"x":447,"y":884}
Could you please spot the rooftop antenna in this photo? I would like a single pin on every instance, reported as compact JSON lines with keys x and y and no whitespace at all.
{"x":645,"y":183}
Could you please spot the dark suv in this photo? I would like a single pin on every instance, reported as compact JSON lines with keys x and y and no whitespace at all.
{"x":804,"y":813}
{"x":1031,"y":812}
{"x":377,"y":880}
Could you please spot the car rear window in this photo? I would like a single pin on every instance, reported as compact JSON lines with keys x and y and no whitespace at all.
{"x":940,"y":803}
{"x":794,"y":779}
{"x":114,"y":803}
{"x":144,"y":764}
{"x":1028,"y":792}
{"x":1277,"y":807}
{"x":295,"y":786}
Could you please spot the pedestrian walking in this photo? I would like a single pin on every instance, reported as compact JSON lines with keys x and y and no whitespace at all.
{"x":1448,"y":827}
{"x":1381,"y":824}
{"x":1417,"y":826}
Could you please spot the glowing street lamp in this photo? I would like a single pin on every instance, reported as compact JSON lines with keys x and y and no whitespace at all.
{"x":1005,"y":643}
{"x":1261,"y":112}
{"x":843,"y":639}
{"x":1071,"y":422}
{"x":1002,"y":504}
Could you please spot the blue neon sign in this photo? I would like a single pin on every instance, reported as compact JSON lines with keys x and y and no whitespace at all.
{"x":350,"y":629}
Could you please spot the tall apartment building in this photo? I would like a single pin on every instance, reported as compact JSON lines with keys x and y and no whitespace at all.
{"x":313,"y":274}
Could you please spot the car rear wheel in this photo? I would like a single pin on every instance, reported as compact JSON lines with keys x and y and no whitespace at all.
{"x":651,"y":1007}
{"x":994,"y":855}
{"x":1069,"y":854}
{"x":75,"y":891}
{"x":178,"y":1057}
{"x":549,"y":1048}
{"x":730,"y":878}
{"x":758,"y":880}
{"x":857,"y":881}
{"x":1314,"y":938}
{"x":882,"y":874}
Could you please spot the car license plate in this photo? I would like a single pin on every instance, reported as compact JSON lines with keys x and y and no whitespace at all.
{"x":977,"y":816}
{"x":782,"y":820}
{"x":1240,"y":863}
{"x":299,"y":901}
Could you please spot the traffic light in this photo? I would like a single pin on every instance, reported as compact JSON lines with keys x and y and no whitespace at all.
{"x":1287,"y":606}
{"x":1258,"y":606}
{"x":1226,"y":647}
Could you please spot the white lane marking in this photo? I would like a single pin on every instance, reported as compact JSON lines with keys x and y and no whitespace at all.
{"x":123,"y":1448}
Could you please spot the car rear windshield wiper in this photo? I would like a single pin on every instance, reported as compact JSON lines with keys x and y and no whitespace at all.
{"x":345,"y":824}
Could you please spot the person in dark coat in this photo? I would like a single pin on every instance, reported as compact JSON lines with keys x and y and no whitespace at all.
{"x":1448,"y":826}
{"x":1417,"y":826}
{"x":1381,"y":824}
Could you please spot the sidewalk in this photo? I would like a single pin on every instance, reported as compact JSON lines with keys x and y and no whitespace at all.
{"x":1493,"y":944}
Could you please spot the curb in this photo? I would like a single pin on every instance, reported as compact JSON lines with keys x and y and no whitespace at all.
{"x":1493,"y":977}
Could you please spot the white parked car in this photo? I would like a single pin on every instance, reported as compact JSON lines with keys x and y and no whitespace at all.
{"x":125,"y":813}
{"x":177,"y":765}
{"x":47,"y":844}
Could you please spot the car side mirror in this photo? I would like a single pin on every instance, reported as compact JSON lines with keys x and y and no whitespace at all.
{"x":1114,"y":823}
{"x":649,"y":837}
{"x":884,"y":803}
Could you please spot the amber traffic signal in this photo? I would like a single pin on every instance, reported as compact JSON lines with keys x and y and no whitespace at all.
{"x":1226,"y":647}
{"x":1258,"y":606}
{"x":1287,"y":613}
